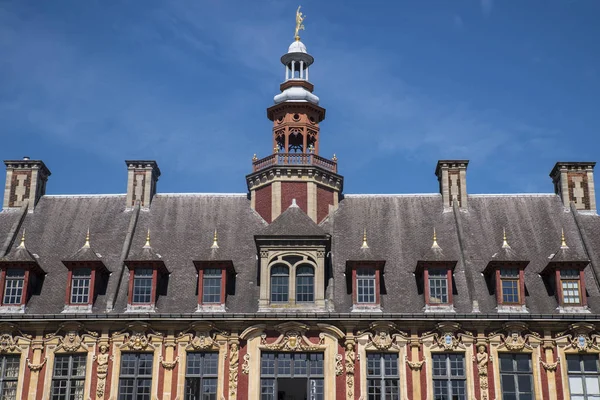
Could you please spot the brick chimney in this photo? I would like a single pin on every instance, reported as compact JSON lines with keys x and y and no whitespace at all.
{"x":574,"y":182}
{"x":25,"y":180}
{"x":452,"y":176}
{"x":142,"y":176}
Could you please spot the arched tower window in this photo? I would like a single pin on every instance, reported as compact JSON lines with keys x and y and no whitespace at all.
{"x":305,"y":283}
{"x":280,"y":277}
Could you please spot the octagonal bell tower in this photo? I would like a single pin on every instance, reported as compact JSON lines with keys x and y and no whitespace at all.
{"x":295,"y":170}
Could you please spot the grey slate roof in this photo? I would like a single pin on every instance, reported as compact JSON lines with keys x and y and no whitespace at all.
{"x":399,"y":232}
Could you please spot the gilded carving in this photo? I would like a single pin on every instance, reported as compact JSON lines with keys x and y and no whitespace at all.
{"x":201,"y":336}
{"x":234,"y":360}
{"x":101,"y":369}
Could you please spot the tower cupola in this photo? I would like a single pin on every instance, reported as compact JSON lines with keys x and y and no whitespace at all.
{"x":295,"y":170}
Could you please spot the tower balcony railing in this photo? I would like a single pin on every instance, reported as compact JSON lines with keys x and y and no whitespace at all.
{"x":299,"y":159}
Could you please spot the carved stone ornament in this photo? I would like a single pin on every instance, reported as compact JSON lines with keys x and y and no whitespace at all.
{"x":9,"y":337}
{"x":234,"y":361}
{"x":169,"y":365}
{"x":516,"y":336}
{"x":73,"y":337}
{"x":101,"y":369}
{"x":482,"y":359}
{"x":383,"y":335}
{"x":550,"y":367}
{"x":292,"y":338}
{"x":414,"y":365}
{"x":137,"y":336}
{"x":582,"y":337}
{"x":448,"y":336}
{"x":201,"y":336}
{"x":350,"y":362}
{"x":246,"y":364}
{"x":339,"y":367}
{"x":36,"y":367}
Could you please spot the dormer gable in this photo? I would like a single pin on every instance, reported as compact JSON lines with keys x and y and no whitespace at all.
{"x":364,"y":277}
{"x":87,"y":277}
{"x":505,"y":276}
{"x":435,"y":278}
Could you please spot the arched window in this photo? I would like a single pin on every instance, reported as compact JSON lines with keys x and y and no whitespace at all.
{"x":305,"y":283}
{"x":280,"y":277}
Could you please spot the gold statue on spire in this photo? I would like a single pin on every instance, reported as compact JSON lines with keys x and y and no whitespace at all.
{"x":563,"y":242}
{"x":299,"y":25}
{"x":147,"y":239}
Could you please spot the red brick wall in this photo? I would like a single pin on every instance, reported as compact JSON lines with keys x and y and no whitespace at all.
{"x":324,"y":200}
{"x":263,"y":202}
{"x":293,"y":190}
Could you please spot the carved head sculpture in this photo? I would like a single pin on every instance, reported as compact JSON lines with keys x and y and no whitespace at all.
{"x":481,"y":349}
{"x":103,"y":348}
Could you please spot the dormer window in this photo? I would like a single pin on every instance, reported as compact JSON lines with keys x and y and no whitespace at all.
{"x":14,"y":286}
{"x":366,"y":285}
{"x":438,"y":281}
{"x":143,"y":286}
{"x":570,"y":284}
{"x":564,"y":275}
{"x":147,"y":279}
{"x":216,"y":278}
{"x":305,"y":284}
{"x":87,"y":276}
{"x":280,"y":286}
{"x":19,"y":278}
{"x":510,"y":285}
{"x":212,"y":279}
{"x":505,"y":276}
{"x":81,"y":283}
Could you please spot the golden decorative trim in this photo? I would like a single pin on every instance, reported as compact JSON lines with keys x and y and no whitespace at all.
{"x":364,"y":243}
{"x":10,"y":336}
{"x":246,"y":364}
{"x":563,"y":243}
{"x":215,"y":245}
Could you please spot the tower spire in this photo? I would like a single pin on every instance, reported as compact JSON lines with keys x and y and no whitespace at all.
{"x":563,"y":242}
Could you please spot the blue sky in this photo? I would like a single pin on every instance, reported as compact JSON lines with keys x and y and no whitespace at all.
{"x":511,"y":85}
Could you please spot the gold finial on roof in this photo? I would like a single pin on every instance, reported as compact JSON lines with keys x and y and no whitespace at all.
{"x":504,"y":241}
{"x":299,"y":25}
{"x":254,"y":158}
{"x":276,"y":149}
{"x":563,"y":242}
{"x":215,"y":245}
{"x":147,"y":239}
{"x":334,"y":157}
{"x":87,"y":239}
{"x":22,"y":244}
{"x":364,"y":244}
{"x":435,"y":243}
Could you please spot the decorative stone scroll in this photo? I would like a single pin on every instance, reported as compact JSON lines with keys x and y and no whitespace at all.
{"x":292,"y":338}
{"x":383,"y":335}
{"x":246,"y":364}
{"x":73,"y":337}
{"x":201,"y":336}
{"x":137,"y":336}
{"x":581,"y":337}
{"x":448,"y":336}
{"x":350,"y":360}
{"x":516,"y":336}
{"x":10,"y":338}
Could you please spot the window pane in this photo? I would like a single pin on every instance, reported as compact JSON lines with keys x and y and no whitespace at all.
{"x":135,"y":380}
{"x":382,"y":376}
{"x":305,"y":277}
{"x":576,"y":384}
{"x":591,"y":385}
{"x":279,"y":283}
{"x":80,"y":285}
{"x":438,"y":286}
{"x":68,"y":377}
{"x":13,"y":287}
{"x":142,"y":286}
{"x":211,"y":285}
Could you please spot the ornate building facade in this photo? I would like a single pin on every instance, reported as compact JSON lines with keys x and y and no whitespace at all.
{"x":296,"y":291}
